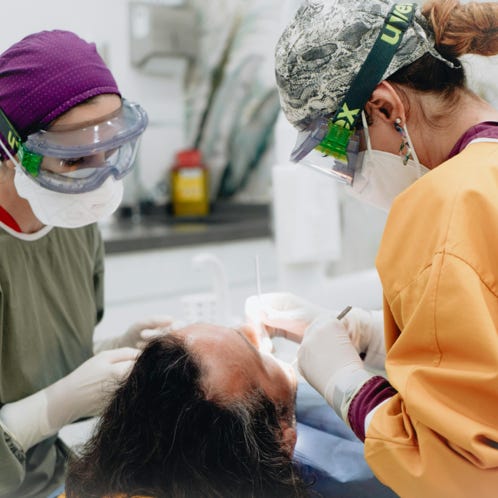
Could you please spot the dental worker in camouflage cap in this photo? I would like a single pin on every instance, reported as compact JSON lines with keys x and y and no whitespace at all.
{"x":378,"y":95}
{"x":67,"y":138}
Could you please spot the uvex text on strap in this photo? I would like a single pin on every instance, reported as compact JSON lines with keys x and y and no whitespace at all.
{"x":9,"y":133}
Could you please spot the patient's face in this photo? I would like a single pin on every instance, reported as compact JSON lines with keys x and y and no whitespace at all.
{"x":233,"y":366}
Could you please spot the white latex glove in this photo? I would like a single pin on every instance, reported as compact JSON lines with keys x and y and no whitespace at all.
{"x":328,"y":360}
{"x":282,"y":314}
{"x":366,"y":331}
{"x":83,"y":393}
{"x":137,"y":336}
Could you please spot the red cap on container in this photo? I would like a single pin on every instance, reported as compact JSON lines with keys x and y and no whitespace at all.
{"x":188,"y":158}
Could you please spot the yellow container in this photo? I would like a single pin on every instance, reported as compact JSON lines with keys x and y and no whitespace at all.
{"x":189,"y":184}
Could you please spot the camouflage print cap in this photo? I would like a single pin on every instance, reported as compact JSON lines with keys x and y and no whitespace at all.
{"x":324,"y":47}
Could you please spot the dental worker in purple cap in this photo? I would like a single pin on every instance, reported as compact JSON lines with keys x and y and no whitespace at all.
{"x":67,"y":139}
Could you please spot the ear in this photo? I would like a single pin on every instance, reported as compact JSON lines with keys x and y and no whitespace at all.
{"x":289,"y":438}
{"x":385,"y":104}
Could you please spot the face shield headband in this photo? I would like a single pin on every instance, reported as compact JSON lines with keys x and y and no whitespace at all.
{"x":331,"y":145}
{"x":78,"y":158}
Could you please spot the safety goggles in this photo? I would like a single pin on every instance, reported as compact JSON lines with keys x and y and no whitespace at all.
{"x":77,"y":159}
{"x":331,"y":144}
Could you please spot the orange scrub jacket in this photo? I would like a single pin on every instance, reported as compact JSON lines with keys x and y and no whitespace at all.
{"x":438,"y":263}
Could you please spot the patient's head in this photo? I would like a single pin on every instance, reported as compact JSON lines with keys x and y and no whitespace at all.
{"x":202,"y":414}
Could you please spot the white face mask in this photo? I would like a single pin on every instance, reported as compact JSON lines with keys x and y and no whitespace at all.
{"x":382,"y":175}
{"x":69,"y":210}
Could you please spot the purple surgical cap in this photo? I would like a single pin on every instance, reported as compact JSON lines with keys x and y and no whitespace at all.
{"x":47,"y":73}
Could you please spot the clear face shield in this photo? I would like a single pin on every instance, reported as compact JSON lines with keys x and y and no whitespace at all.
{"x":330,"y":149}
{"x":331,"y":145}
{"x":79,"y":158}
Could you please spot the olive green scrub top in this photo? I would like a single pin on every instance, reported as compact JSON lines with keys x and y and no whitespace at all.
{"x":51,"y":298}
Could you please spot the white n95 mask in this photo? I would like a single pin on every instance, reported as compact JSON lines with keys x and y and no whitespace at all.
{"x":382,"y":176}
{"x":69,"y":210}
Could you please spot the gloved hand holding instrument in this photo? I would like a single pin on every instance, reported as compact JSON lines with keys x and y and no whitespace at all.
{"x":329,"y":361}
{"x":284,"y":314}
{"x":338,"y":351}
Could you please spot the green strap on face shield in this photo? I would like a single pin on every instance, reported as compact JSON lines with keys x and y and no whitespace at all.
{"x":343,"y":124}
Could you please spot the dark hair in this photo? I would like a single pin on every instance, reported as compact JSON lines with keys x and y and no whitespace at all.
{"x":458,"y":29}
{"x":161,"y":437}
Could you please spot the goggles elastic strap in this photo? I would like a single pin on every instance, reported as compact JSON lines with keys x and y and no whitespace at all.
{"x":398,"y":20}
{"x":30,"y":161}
{"x":10,"y":134}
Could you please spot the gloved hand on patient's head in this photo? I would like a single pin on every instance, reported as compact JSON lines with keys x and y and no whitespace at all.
{"x":284,"y":314}
{"x":138,"y":334}
{"x":82,"y":393}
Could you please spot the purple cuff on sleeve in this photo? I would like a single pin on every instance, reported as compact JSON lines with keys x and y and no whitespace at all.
{"x":374,"y":391}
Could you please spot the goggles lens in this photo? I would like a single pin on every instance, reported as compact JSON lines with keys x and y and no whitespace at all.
{"x":329,"y":148}
{"x":76,"y":160}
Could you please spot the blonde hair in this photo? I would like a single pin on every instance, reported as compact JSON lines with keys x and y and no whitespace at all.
{"x":461,"y":29}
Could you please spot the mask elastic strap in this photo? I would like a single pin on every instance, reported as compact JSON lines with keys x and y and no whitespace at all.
{"x":9,"y":154}
{"x":405,"y":130}
{"x":365,"y":127}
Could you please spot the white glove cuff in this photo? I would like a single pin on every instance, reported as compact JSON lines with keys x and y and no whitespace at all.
{"x":26,"y":420}
{"x":106,"y":344}
{"x":371,"y":413}
{"x":343,"y":387}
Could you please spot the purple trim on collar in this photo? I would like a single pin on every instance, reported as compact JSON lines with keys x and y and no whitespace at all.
{"x":487,"y":129}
